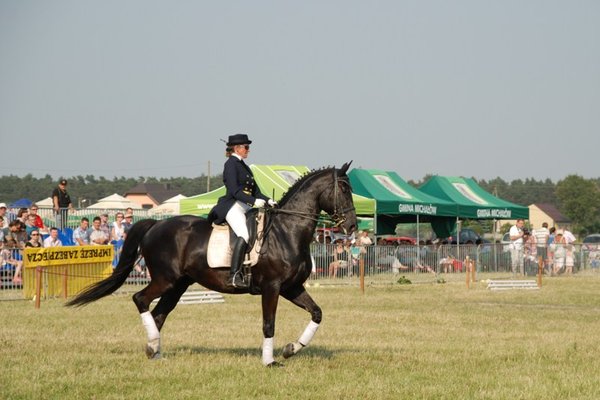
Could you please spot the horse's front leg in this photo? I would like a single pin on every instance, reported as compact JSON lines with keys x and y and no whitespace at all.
{"x":300,"y":297}
{"x":269,"y":309}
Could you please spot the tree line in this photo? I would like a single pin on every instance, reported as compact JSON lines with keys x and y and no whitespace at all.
{"x":574,"y":196}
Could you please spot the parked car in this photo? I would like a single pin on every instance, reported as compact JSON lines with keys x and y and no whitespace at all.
{"x":506,"y":242}
{"x":400,"y":240}
{"x":592,"y":242}
{"x":468,"y":235}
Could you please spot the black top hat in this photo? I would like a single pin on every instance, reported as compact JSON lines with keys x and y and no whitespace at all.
{"x":238,"y":138}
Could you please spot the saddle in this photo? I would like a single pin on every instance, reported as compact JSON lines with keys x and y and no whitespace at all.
{"x":222,"y":236}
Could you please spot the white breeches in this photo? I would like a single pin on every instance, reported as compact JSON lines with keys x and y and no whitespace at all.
{"x":236,"y":218}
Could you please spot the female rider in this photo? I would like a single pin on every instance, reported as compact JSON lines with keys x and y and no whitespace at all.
{"x":241,"y":194}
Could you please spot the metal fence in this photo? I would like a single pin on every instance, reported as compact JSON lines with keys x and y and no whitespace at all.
{"x":335,"y":264}
{"x":338,"y":263}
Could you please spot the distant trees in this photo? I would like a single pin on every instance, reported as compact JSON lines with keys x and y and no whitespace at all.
{"x":574,"y":196}
{"x":93,"y":189}
{"x":579,"y":199}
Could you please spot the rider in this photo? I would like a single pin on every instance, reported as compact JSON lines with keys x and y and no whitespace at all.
{"x":242,"y":193}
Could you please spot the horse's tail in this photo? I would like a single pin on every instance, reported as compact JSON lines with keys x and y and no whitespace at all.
{"x":129,"y":255}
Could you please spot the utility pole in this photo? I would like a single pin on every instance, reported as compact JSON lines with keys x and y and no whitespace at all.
{"x":208,"y":178}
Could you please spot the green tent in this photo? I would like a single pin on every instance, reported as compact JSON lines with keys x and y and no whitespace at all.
{"x":398,"y":202}
{"x":472,"y":201}
{"x":273,"y":181}
{"x":201,"y":204}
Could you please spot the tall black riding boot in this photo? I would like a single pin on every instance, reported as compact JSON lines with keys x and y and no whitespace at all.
{"x":237,"y":258}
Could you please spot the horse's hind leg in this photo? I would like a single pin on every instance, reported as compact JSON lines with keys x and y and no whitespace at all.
{"x":300,"y":297}
{"x":153,"y":321}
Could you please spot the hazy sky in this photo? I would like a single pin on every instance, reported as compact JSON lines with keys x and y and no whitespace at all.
{"x":147,"y":88}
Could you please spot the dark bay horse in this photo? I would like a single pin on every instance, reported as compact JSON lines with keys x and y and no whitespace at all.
{"x":175,"y":252}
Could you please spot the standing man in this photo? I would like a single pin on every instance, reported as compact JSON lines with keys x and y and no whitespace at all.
{"x":516,"y":246}
{"x":541,"y":238}
{"x":62,"y":204}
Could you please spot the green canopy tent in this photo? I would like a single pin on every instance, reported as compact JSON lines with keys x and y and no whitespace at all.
{"x":397,"y":202}
{"x":472,"y":201}
{"x":273,"y":181}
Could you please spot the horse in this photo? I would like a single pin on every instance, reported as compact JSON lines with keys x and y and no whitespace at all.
{"x":175,"y":252}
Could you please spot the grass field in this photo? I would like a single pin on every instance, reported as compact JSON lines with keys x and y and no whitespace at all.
{"x":423,"y":341}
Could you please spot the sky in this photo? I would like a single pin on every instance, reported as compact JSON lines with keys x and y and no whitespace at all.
{"x":480,"y":89}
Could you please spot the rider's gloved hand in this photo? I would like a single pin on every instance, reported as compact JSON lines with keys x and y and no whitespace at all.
{"x":260,"y":203}
{"x":272,"y":202}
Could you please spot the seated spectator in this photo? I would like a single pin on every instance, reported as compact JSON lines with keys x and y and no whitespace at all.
{"x":3,"y":216}
{"x":128,"y":222}
{"x":81,"y":235}
{"x":22,"y":215}
{"x":340,"y":258}
{"x":30,"y":225}
{"x":39,"y":222}
{"x":17,"y":233}
{"x":104,"y":225}
{"x":97,"y":235}
{"x":118,"y":227}
{"x":14,"y":260}
{"x":35,"y":239}
{"x":52,"y":240}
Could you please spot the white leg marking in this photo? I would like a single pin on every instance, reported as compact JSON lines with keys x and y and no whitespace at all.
{"x":267,"y":351}
{"x":151,"y":331}
{"x":308,"y":333}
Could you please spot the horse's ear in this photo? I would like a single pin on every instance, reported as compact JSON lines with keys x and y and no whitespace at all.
{"x":345,"y":167}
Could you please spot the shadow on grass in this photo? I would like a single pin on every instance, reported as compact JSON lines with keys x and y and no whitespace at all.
{"x":310,"y":352}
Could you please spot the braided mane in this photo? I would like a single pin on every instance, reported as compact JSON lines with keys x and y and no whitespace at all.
{"x":301,"y":181}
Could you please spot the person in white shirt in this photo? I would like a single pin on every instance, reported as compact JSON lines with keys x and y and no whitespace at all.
{"x":97,"y":235}
{"x":516,"y":234}
{"x":541,"y":239}
{"x":53,"y":240}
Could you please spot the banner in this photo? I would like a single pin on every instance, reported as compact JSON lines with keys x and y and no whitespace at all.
{"x":66,"y":255}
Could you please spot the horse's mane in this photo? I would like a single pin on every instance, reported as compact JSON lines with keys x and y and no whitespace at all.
{"x":301,"y":181}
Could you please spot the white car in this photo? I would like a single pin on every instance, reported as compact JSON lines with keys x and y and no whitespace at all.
{"x":506,"y":242}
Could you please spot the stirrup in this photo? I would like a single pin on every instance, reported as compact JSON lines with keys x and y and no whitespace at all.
{"x":240,"y":284}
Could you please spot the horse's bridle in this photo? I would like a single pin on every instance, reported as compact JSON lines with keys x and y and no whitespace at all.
{"x":339,"y":215}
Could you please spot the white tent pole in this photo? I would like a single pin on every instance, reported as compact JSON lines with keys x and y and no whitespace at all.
{"x":418,"y":242}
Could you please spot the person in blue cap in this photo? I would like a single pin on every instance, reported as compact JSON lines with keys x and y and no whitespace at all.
{"x":242,"y":193}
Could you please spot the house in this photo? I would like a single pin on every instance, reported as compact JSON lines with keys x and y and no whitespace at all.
{"x":545,"y":212}
{"x":149,"y":195}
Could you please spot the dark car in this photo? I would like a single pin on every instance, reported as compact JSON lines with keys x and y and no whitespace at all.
{"x":592,"y":242}
{"x":468,"y":236}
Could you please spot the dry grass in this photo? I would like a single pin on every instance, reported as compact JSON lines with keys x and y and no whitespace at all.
{"x":425,"y":341}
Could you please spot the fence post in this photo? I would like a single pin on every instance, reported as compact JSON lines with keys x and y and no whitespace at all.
{"x":467,"y":272}
{"x":540,"y":271}
{"x":65,"y":279}
{"x":38,"y":286}
{"x":361,"y":267}
{"x":473,"y":271}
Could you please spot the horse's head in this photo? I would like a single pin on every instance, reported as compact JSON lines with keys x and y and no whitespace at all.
{"x":338,"y":203}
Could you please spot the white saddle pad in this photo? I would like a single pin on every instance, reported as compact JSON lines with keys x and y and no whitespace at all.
{"x":219,"y":252}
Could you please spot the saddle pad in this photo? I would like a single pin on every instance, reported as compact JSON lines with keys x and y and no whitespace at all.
{"x":219,"y":251}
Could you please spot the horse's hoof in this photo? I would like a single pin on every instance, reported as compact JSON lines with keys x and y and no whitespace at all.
{"x":288,"y":350}
{"x":151,"y":354}
{"x":274,"y":364}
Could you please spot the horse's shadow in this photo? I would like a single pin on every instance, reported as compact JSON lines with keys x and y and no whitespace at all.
{"x":316,"y":352}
